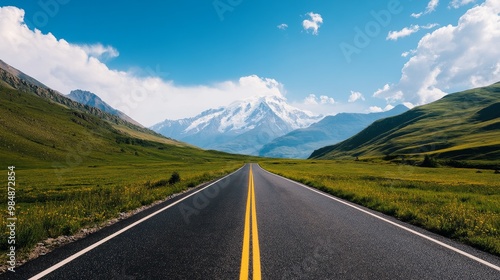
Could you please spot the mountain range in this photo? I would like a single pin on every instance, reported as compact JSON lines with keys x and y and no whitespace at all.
{"x":300,"y":143}
{"x":243,"y":127}
{"x":38,"y":120}
{"x":460,"y":126}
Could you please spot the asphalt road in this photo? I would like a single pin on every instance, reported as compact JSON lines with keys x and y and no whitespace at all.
{"x":253,"y":225}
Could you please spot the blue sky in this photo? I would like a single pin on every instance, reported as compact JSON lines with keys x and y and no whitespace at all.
{"x":210,"y":46}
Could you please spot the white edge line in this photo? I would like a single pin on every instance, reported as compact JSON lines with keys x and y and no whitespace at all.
{"x":102,"y":241}
{"x":393,"y":223}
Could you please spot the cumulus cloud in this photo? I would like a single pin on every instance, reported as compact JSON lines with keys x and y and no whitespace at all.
{"x":459,"y":3}
{"x":283,"y":26}
{"x":65,"y":67}
{"x":355,"y":96}
{"x":451,"y":58}
{"x":407,"y":31}
{"x":313,"y":23}
{"x":431,"y":7}
{"x":377,"y":109}
{"x":312,"y":99}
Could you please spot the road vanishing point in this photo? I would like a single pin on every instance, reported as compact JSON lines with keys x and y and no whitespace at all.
{"x":253,"y":224}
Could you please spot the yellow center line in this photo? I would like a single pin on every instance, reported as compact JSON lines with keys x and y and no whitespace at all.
{"x":245,"y":255}
{"x":255,"y":235}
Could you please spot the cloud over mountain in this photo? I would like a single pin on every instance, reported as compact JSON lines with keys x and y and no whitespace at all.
{"x":451,"y":58}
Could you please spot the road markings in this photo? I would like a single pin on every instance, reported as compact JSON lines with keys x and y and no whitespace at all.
{"x":102,"y":241}
{"x":250,"y":216}
{"x":463,"y":253}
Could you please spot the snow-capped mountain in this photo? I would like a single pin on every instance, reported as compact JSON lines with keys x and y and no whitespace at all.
{"x":242,"y":127}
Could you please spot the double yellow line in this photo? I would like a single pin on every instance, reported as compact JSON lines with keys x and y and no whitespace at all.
{"x":245,"y":255}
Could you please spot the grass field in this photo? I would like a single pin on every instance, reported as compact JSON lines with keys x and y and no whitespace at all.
{"x":463,"y":204}
{"x":49,"y":205}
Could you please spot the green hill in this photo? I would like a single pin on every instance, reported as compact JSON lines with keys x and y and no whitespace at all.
{"x":460,"y":126}
{"x":41,"y":128}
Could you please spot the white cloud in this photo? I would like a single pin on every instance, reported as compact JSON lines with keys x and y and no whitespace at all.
{"x":313,"y":104}
{"x":451,"y":58}
{"x":323,"y":104}
{"x":410,"y":52}
{"x":431,"y":7}
{"x":375,"y":109}
{"x":312,"y":99}
{"x":99,"y":51}
{"x":314,"y":23}
{"x":326,"y":100}
{"x":416,"y":15}
{"x":283,"y":26}
{"x":65,"y":67}
{"x":429,"y":26}
{"x":355,"y":96}
{"x":385,"y":88}
{"x":407,"y":31}
{"x":459,"y":3}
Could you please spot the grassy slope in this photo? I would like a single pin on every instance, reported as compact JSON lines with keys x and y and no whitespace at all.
{"x":461,"y":126}
{"x":74,"y":169}
{"x":458,"y":203}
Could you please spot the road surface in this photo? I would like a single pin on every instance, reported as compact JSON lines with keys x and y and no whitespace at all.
{"x":256,"y":225}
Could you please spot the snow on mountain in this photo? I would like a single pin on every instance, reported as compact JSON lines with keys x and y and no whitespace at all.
{"x":242,"y":127}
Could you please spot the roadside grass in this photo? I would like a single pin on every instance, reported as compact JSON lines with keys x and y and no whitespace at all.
{"x":48,"y":205}
{"x":462,"y":204}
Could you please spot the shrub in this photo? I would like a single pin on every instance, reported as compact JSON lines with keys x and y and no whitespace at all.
{"x":429,"y":162}
{"x":175,"y":178}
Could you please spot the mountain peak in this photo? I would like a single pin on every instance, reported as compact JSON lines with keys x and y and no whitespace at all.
{"x":259,"y":118}
{"x":91,"y":99}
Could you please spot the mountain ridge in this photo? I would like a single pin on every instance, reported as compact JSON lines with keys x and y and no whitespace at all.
{"x":300,"y":143}
{"x":91,"y":99}
{"x":16,"y":79}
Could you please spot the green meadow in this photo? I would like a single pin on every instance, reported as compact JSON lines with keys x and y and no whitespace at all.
{"x":462,"y":204}
{"x":49,"y":205}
